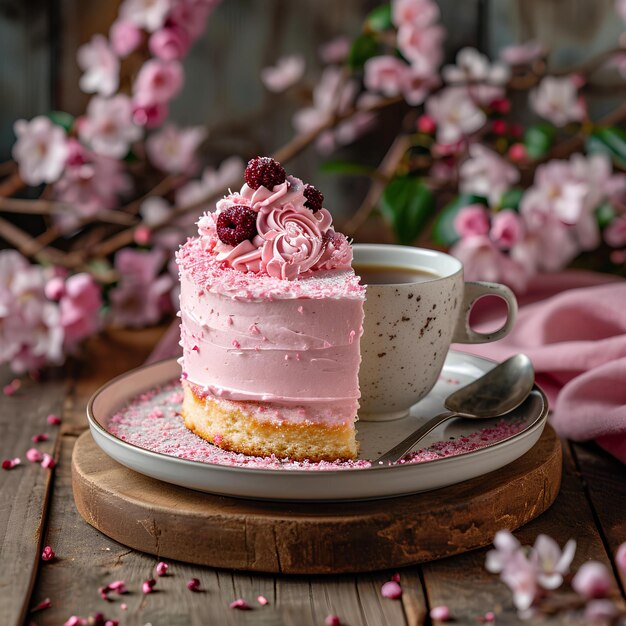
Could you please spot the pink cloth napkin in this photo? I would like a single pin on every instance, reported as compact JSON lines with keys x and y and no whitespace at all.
{"x":573,"y":327}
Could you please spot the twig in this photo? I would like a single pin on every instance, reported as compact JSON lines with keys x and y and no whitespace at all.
{"x":12,"y":184}
{"x":386,"y":170}
{"x":28,"y":246}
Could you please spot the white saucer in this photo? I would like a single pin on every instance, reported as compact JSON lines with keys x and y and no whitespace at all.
{"x":330,"y":484}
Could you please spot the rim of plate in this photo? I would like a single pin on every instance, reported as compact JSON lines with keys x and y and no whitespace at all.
{"x":93,"y":421}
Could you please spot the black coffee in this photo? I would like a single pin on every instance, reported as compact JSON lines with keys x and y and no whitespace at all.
{"x":389,"y":275}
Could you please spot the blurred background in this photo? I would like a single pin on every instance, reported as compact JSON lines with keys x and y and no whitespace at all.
{"x":39,"y":73}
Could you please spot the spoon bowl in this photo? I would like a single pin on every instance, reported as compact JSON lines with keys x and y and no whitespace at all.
{"x":498,"y":392}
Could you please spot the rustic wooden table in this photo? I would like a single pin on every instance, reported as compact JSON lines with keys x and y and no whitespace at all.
{"x":37,"y":508}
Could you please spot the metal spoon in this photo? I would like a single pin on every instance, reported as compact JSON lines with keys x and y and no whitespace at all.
{"x":498,"y":392}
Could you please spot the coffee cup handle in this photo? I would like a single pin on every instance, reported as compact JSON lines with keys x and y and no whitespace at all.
{"x":463,"y":332}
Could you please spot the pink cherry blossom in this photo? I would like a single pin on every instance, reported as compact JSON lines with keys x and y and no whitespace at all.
{"x":147,"y":14}
{"x":30,"y":330}
{"x":552,"y":562}
{"x":506,"y":229}
{"x":455,"y":114}
{"x":335,"y":51}
{"x":620,"y":558}
{"x":191,"y":15}
{"x":422,"y":47}
{"x":505,"y":546}
{"x":385,"y":74}
{"x":519,"y":575}
{"x":139,"y":297}
{"x":600,"y":612}
{"x":108,"y":127}
{"x":592,"y":580}
{"x":472,"y":220}
{"x":556,"y":99}
{"x":521,"y":54}
{"x":170,"y":43}
{"x":88,"y":185}
{"x":485,"y":173}
{"x":474,"y":67}
{"x":417,"y":85}
{"x":173,"y":149}
{"x":483,"y":261}
{"x":150,"y":115}
{"x":417,"y":13}
{"x":158,"y":81}
{"x":79,"y":307}
{"x":100,"y":65}
{"x":155,"y":210}
{"x":287,"y":72}
{"x":333,"y":95}
{"x":124,"y":37}
{"x":40,"y":150}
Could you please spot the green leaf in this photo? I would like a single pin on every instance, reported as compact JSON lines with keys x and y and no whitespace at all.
{"x":62,"y":119}
{"x":346,"y":167}
{"x":379,"y":19}
{"x":363,"y":48}
{"x":610,"y":141}
{"x":511,"y":198}
{"x":605,"y":214}
{"x":407,"y":204}
{"x":538,"y":140}
{"x":444,"y":232}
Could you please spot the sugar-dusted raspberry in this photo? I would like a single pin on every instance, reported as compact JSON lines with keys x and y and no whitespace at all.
{"x":236,"y":224}
{"x":314,"y":198}
{"x":264,"y":171}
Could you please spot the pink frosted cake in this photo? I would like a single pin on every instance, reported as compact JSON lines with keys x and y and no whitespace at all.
{"x":271,"y":317}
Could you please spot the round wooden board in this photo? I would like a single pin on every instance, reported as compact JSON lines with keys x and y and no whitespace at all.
{"x":319,"y":538}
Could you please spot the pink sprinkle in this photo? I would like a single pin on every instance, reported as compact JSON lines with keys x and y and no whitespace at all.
{"x":75,"y":621}
{"x":8,"y":464}
{"x":124,"y":606}
{"x":48,"y":462}
{"x":229,"y":320}
{"x":441,"y":613}
{"x":111,"y":622}
{"x":161,"y":568}
{"x":240,"y":604}
{"x":352,"y":336}
{"x":183,"y":375}
{"x":117,"y":585}
{"x":193,"y":584}
{"x":47,"y":554}
{"x":332,"y":620}
{"x":44,"y":604}
{"x":254,"y":329}
{"x":40,"y":437}
{"x":262,"y":600}
{"x":148,"y":586}
{"x":490,"y":616}
{"x":301,"y":309}
{"x":12,"y":387}
{"x":104,"y":592}
{"x":33,"y":455}
{"x":391,"y":590}
{"x":396,"y":577}
{"x":53,"y":420}
{"x":195,"y":348}
{"x":236,"y":344}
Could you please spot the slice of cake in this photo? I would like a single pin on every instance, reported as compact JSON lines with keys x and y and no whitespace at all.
{"x":271,"y":317}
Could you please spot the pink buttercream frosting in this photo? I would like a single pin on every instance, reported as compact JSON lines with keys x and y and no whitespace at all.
{"x":276,"y":318}
{"x":291,"y":241}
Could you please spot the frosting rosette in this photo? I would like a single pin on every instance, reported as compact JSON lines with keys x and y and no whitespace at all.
{"x":291,"y":238}
{"x":294,"y":238}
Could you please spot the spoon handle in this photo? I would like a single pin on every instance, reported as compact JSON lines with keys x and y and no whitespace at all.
{"x":398,"y":451}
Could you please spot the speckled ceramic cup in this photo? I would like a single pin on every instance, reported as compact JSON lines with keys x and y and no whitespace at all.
{"x":409,"y":327}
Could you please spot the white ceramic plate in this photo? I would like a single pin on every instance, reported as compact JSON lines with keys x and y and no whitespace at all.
{"x":345,"y":484}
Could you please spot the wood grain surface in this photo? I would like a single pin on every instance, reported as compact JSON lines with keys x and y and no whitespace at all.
{"x":302,"y":538}
{"x":590,"y":508}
